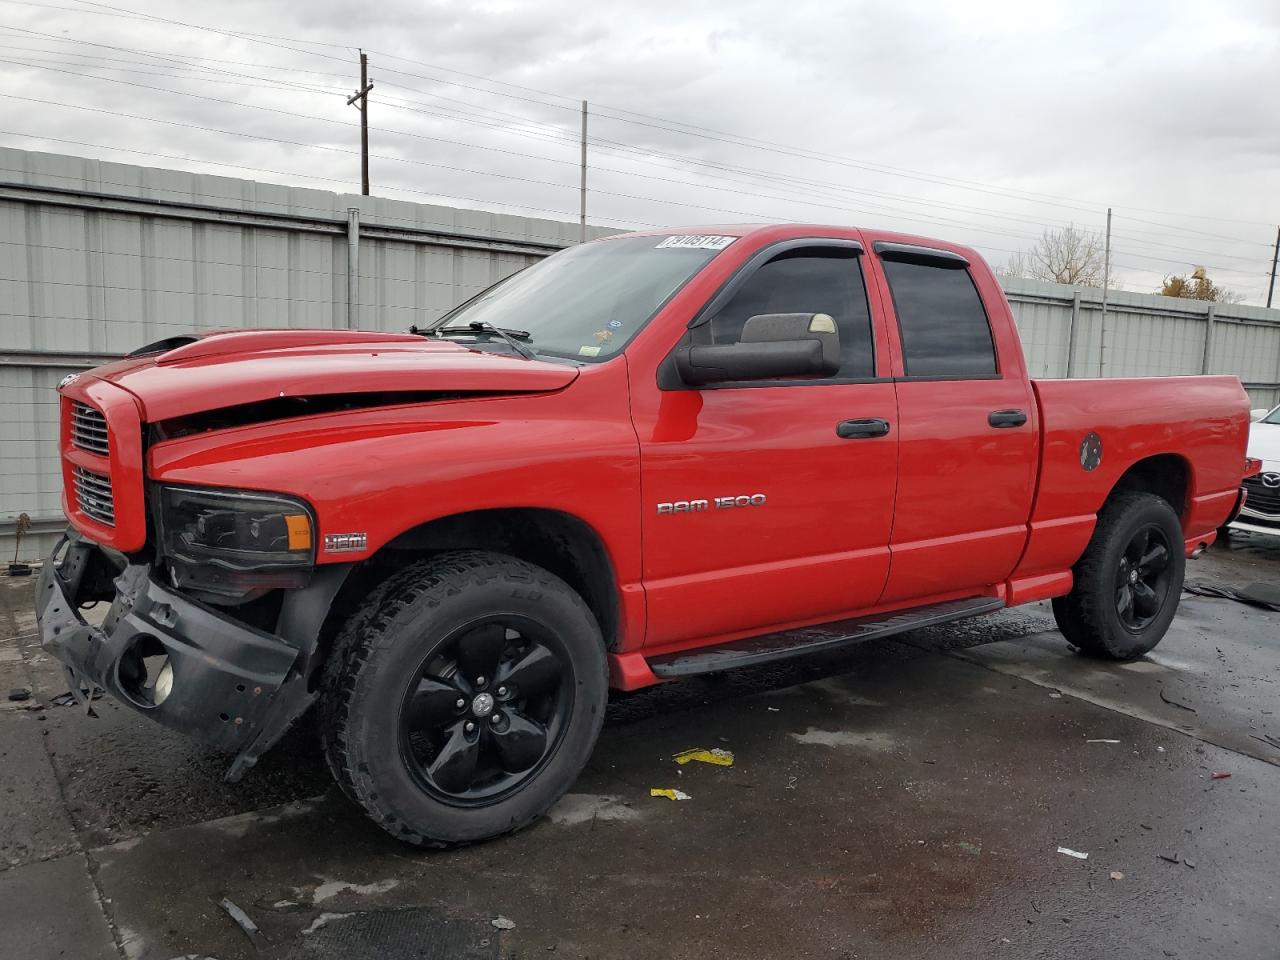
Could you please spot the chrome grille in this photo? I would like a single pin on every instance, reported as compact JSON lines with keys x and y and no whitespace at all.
{"x":1263,"y":498}
{"x":88,"y":428}
{"x":93,"y":495}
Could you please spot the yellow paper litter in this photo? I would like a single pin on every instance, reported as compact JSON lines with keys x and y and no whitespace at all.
{"x":716,"y":756}
{"x":669,"y":793}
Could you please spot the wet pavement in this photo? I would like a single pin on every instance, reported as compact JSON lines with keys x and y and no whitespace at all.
{"x":900,"y":799}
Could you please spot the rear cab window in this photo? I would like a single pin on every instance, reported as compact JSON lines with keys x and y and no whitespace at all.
{"x":942,"y":323}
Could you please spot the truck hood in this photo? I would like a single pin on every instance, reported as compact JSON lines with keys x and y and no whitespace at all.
{"x":222,"y":370}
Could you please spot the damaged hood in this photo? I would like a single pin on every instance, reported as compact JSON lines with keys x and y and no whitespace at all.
{"x":226,"y":369}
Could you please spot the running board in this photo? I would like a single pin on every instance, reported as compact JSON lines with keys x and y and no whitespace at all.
{"x":827,"y":636}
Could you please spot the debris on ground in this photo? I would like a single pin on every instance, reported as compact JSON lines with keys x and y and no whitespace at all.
{"x":1102,"y":741}
{"x":716,"y":756}
{"x":1055,"y":696}
{"x":18,"y":694}
{"x":1189,"y":863}
{"x":1263,"y":595}
{"x":773,"y":709}
{"x":1175,"y":703}
{"x":1170,"y":857}
{"x":669,"y":792}
{"x":1074,"y":853}
{"x":69,"y":699}
{"x":323,"y":919}
{"x":502,"y":923}
{"x":1219,"y":775}
{"x":1117,"y":875}
{"x":242,"y":919}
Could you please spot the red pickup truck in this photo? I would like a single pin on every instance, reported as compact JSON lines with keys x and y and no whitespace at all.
{"x":649,"y":456}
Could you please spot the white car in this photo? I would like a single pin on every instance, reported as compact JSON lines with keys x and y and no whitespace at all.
{"x":1261,"y":512}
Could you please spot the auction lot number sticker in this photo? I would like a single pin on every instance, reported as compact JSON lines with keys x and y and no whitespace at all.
{"x":695,"y":242}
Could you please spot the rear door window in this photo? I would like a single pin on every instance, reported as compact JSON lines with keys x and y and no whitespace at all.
{"x":941,"y":319}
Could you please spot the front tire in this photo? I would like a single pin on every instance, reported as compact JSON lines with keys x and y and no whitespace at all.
{"x":1128,"y":582}
{"x":463,"y":699}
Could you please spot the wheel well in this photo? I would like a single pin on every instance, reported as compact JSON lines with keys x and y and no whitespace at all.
{"x":551,"y":539}
{"x":1166,"y":475}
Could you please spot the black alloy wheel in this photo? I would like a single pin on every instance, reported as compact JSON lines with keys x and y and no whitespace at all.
{"x":1142,"y":578}
{"x":1128,"y":581}
{"x":485,"y":711}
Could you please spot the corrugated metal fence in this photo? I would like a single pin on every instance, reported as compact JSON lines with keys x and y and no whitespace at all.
{"x":98,"y":258}
{"x":1145,"y":335}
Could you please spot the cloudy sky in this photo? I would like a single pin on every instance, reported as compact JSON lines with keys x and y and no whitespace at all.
{"x":983,"y":122}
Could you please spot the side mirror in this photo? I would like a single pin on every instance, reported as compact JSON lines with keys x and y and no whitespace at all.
{"x":1256,"y":415}
{"x":773,"y":345}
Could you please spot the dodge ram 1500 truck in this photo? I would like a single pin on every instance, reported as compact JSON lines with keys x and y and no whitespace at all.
{"x":645,"y":457}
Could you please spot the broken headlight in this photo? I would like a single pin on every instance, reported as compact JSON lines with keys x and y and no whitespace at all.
{"x":230,"y":543}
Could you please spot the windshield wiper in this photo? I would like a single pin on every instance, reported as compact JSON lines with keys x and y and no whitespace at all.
{"x":512,"y":337}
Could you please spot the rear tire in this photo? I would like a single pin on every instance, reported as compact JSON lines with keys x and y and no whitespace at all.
{"x":464,"y":697}
{"x":1128,"y":582}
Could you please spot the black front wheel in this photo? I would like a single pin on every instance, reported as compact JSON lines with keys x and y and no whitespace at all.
{"x":486,"y":709}
{"x":1128,"y":582}
{"x":464,"y":698}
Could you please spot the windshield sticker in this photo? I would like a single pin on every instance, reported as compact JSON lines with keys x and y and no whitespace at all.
{"x":696,"y":242}
{"x":615,"y":324}
{"x":588,"y":351}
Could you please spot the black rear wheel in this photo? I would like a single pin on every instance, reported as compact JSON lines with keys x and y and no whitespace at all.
{"x":1142,"y":578}
{"x":464,"y":698}
{"x":1128,"y":582}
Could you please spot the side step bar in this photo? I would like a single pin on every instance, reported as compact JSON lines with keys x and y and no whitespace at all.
{"x":828,"y":636}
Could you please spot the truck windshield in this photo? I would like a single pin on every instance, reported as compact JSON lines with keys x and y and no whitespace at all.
{"x":588,"y":301}
{"x":1273,"y":416}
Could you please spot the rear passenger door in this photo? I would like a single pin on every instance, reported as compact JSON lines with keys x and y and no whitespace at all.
{"x":967,"y":431}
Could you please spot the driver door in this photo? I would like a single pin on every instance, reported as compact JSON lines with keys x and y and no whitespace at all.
{"x":758,"y":514}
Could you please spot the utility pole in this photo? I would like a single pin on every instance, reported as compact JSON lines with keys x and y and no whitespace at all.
{"x":363,"y":106}
{"x":582,"y":187}
{"x":1106,"y":281}
{"x":1275,"y":256}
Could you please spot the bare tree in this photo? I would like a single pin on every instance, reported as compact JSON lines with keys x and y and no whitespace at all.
{"x":1067,"y":255}
{"x":1198,"y":286}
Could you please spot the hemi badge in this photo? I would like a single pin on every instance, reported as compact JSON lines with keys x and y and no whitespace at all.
{"x":346,"y":542}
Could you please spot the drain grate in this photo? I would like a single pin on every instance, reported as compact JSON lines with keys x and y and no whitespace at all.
{"x":413,"y":933}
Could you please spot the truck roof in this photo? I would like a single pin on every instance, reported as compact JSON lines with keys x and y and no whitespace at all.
{"x":769,"y":232}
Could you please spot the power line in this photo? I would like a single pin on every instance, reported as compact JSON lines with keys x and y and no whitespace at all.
{"x":681,"y":159}
{"x":282,"y":173}
{"x":647,"y":199}
{"x":705,"y":133}
{"x":280,"y":86}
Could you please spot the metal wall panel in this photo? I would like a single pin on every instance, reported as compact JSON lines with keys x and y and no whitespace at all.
{"x":98,"y":258}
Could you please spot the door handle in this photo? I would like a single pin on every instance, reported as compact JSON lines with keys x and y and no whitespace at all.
{"x":1007,"y":418}
{"x":861,"y":429}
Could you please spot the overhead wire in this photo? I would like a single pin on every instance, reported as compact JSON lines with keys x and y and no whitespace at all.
{"x":1013,"y":195}
{"x":726,"y":172}
{"x":703,"y":132}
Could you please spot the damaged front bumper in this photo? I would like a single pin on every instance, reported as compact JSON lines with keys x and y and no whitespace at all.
{"x":229,"y":684}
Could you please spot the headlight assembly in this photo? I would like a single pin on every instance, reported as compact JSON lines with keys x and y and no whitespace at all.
{"x":229,"y":542}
